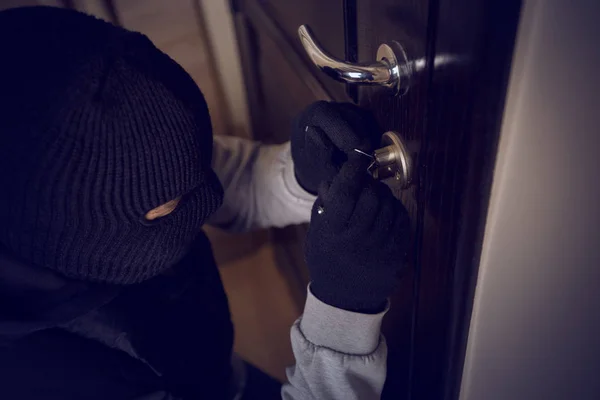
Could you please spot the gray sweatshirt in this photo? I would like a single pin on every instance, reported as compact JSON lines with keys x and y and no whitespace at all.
{"x":339,"y":354}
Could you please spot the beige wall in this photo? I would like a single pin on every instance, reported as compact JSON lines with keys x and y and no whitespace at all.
{"x":220,"y":31}
{"x":535,"y":329}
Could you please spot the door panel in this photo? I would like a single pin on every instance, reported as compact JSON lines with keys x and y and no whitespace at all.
{"x":449,"y":116}
{"x":282,"y":108}
{"x":326,"y":19}
{"x":450,"y":119}
{"x":383,"y":21}
{"x":465,"y":106}
{"x":280,"y":20}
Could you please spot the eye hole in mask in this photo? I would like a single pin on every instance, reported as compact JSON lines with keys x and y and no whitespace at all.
{"x":162,"y":210}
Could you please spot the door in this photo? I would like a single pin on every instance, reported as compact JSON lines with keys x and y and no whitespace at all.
{"x":461,"y":53}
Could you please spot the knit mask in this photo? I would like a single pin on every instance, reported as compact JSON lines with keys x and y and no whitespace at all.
{"x":97,"y":127}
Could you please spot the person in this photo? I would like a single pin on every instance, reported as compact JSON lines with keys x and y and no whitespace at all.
{"x":108,"y":170}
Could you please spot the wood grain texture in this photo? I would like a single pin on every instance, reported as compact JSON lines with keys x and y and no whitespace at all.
{"x":326,"y":19}
{"x":465,"y":107}
{"x":450,"y":118}
{"x":406,"y":22}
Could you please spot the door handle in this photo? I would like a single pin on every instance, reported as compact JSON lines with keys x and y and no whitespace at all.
{"x":391,"y":69}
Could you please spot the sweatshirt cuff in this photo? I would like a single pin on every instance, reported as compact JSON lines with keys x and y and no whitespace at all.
{"x":340,"y":330}
{"x":292,"y":185}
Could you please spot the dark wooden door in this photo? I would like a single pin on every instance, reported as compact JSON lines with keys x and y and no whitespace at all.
{"x":450,"y":116}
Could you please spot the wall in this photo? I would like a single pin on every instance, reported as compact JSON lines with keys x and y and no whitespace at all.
{"x":535,"y":329}
{"x":218,"y":23}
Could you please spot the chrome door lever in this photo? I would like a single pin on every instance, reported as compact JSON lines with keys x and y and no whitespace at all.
{"x":391,"y":69}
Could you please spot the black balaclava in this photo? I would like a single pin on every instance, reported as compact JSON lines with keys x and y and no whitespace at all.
{"x":97,"y":127}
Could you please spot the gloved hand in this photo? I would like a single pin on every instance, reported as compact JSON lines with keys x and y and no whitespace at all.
{"x":357,"y":240}
{"x":323,"y":136}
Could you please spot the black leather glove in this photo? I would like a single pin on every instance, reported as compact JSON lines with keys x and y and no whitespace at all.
{"x":322,"y":137}
{"x":357,"y":240}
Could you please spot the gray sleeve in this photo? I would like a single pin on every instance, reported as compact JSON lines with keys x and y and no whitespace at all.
{"x":261,"y":190}
{"x":339,"y":354}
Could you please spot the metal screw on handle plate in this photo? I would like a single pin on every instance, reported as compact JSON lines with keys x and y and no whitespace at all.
{"x":391,"y":70}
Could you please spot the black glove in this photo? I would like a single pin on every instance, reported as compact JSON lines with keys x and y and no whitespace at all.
{"x":357,"y":240}
{"x":322,"y":137}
